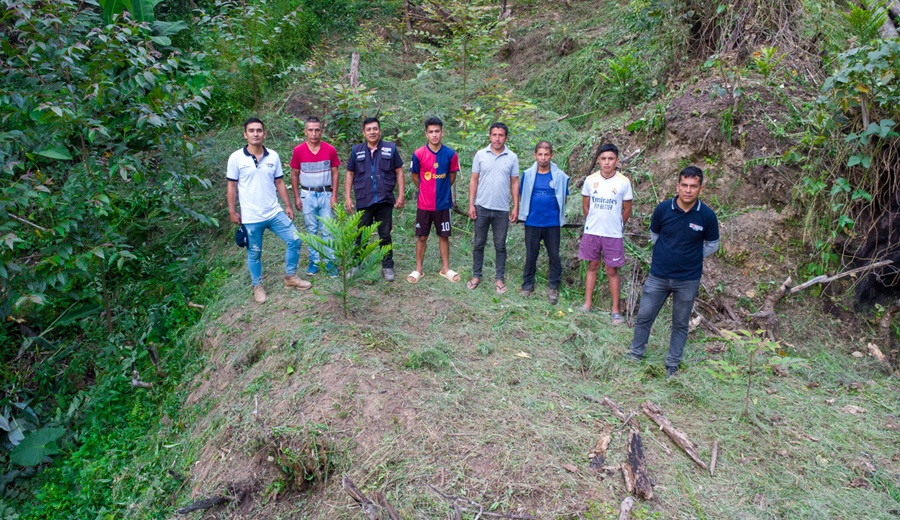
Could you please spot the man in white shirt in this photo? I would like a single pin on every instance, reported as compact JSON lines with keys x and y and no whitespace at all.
{"x":255,"y":177}
{"x":606,"y":199}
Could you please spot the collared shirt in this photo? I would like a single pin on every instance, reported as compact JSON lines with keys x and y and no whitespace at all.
{"x":678,"y":252}
{"x":256,"y":183}
{"x":494,"y":174}
{"x":315,"y":168}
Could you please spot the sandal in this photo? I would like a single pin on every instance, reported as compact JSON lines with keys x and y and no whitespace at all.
{"x":473,"y":283}
{"x":414,"y":277}
{"x":451,"y":275}
{"x":500,"y":286}
{"x":617,"y":318}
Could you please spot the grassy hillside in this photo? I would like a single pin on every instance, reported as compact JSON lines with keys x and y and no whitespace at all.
{"x":448,"y":400}
{"x":432,"y":391}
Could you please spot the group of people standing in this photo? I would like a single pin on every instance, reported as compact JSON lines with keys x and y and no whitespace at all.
{"x":682,"y":229}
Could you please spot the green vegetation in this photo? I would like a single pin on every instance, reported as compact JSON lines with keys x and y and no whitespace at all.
{"x":116,"y":123}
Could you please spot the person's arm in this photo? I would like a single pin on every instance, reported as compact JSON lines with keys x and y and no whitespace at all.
{"x":283,"y":194}
{"x":415,"y":178}
{"x":473,"y":190}
{"x":711,"y":238}
{"x":514,"y":191}
{"x":655,"y":228}
{"x":295,"y":187}
{"x":585,"y":205}
{"x":401,"y":187}
{"x":232,"y":200}
{"x":334,"y":185}
{"x":348,"y":182}
{"x":626,"y":211}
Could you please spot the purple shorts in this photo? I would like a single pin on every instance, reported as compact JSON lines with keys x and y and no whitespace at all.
{"x":612,"y":250}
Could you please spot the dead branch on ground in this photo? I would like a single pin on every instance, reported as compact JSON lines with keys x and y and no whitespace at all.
{"x":655,"y":413}
{"x":598,"y":454}
{"x":205,"y":503}
{"x":625,"y":509}
{"x":464,"y":504}
{"x":828,"y":279}
{"x":373,"y":510}
{"x":136,"y":381}
{"x":617,"y":411}
{"x":637,"y":478}
{"x":715,"y":456}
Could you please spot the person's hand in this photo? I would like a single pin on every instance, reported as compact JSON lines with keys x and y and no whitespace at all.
{"x":235,"y":217}
{"x":333,"y":199}
{"x":298,"y":203}
{"x":401,"y":201}
{"x":289,"y":211}
{"x":348,"y":205}
{"x":514,"y":215}
{"x":472,"y":213}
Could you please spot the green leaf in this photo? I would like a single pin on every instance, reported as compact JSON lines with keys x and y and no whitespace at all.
{"x":165,"y":41}
{"x":37,"y":446}
{"x":56,"y":152}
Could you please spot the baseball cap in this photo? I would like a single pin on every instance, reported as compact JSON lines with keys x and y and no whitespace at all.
{"x":240,"y":236}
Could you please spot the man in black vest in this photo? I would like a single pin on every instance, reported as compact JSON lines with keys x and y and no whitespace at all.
{"x":374,"y":168}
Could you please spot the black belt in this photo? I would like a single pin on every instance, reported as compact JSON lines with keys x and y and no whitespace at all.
{"x":318,"y":189}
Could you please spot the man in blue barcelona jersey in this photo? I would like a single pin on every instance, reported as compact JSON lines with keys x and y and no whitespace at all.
{"x":434,"y":168}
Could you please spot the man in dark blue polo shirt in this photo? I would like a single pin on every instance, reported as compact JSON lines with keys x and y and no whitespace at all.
{"x":684,"y":231}
{"x":373,"y":169}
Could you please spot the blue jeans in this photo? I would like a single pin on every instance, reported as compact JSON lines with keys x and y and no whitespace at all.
{"x":316,"y":205}
{"x":282,"y":226}
{"x":653,"y":296}
{"x":498,"y":222}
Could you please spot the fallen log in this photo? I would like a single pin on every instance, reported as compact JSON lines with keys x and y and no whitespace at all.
{"x":637,"y":479}
{"x":625,"y":509}
{"x":655,"y":413}
{"x":205,"y":503}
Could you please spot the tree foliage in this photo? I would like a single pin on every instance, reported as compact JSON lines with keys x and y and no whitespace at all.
{"x":87,"y":109}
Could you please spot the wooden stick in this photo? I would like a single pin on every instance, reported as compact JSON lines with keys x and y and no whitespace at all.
{"x":25,"y":221}
{"x":826,"y":279}
{"x":598,"y":454}
{"x":715,"y":456}
{"x":606,"y":401}
{"x":625,"y":509}
{"x":635,"y":468}
{"x":195,"y":305}
{"x":368,"y":507}
{"x":381,"y":500}
{"x":655,"y":413}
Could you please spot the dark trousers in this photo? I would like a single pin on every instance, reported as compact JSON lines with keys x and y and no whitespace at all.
{"x":533,"y":237}
{"x":383,"y":213}
{"x":653,"y":296}
{"x":498,"y":221}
